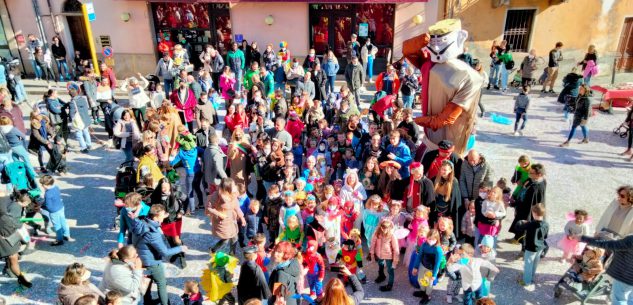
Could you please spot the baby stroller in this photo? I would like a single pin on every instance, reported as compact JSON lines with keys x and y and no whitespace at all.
{"x":125,"y":183}
{"x":585,"y":290}
{"x":622,"y":130}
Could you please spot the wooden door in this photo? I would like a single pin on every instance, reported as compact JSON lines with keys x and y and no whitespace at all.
{"x":625,"y":48}
{"x":77,"y":29}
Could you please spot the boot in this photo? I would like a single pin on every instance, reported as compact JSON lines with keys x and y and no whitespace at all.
{"x":385,"y":288}
{"x":381,"y":278}
{"x":24,"y":282}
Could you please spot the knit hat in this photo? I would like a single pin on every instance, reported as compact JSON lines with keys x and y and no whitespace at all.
{"x":446,"y":145}
{"x":487,"y":241}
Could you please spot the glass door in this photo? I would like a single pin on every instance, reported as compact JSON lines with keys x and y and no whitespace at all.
{"x":320,"y":34}
{"x":342,"y":32}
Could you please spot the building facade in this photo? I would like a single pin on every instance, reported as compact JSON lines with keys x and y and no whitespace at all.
{"x":134,"y":28}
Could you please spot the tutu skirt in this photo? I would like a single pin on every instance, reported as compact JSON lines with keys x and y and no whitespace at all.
{"x":571,"y":246}
{"x":486,"y":229}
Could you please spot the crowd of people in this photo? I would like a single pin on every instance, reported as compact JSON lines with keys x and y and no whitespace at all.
{"x":301,"y":183}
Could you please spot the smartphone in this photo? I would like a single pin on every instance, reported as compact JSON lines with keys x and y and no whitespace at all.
{"x":336,"y":268}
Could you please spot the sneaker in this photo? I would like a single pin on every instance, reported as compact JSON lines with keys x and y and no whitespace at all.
{"x":488,"y":87}
{"x":85,"y":150}
{"x":584,"y":141}
{"x":516,"y":133}
{"x":496,"y":87}
{"x":449,"y":299}
{"x":564,"y":144}
{"x":381,"y":278}
{"x":57,"y":243}
{"x":551,"y":91}
{"x":69,"y":239}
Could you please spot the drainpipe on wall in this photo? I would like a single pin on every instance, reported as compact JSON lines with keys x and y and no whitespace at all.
{"x":12,"y":31}
{"x":56,"y":28}
{"x":38,"y":20}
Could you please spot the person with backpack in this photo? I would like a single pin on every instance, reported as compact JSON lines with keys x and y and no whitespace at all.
{"x":507,"y":64}
{"x":150,"y":244}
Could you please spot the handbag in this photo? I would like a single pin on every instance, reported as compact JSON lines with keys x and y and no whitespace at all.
{"x":77,"y":123}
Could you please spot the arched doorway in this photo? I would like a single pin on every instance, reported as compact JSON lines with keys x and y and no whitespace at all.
{"x":77,"y":27}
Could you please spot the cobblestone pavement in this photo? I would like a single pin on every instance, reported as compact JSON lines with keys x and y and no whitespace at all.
{"x":578,"y":176}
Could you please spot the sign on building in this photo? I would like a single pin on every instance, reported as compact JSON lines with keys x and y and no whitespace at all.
{"x":363,"y":29}
{"x":105,"y":41}
{"x":90,"y":9}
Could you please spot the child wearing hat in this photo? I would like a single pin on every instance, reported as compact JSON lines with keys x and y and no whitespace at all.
{"x":252,"y":282}
{"x":290,"y":208}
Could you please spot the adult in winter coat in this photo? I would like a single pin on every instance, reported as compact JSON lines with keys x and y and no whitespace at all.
{"x":164,"y":69}
{"x":320,"y":81}
{"x":528,"y":66}
{"x":448,"y":198}
{"x":330,"y":67}
{"x":75,"y":284}
{"x":59,"y":54}
{"x":618,"y":217}
{"x":354,"y":76}
{"x":13,"y":112}
{"x":224,"y":211}
{"x":41,"y":138}
{"x":475,"y":170}
{"x":152,"y":249}
{"x":409,"y":85}
{"x":269,"y":57}
{"x":571,"y":84}
{"x":185,"y":101}
{"x":127,"y":134}
{"x":306,"y":85}
{"x":533,"y":192}
{"x":10,"y":242}
{"x":388,"y":81}
{"x":311,"y":61}
{"x":284,"y":279}
{"x":214,"y":162}
{"x":124,"y":274}
{"x":236,"y":61}
{"x":79,"y":117}
{"x":57,"y":113}
{"x":238,"y":153}
{"x":582,"y":111}
{"x":432,"y":160}
{"x":590,"y":55}
{"x":227,"y":84}
{"x":252,"y":282}
{"x":216,"y":64}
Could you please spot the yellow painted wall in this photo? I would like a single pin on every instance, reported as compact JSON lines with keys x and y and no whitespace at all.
{"x":576,"y":23}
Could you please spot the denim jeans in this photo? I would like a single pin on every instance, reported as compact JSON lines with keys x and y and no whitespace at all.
{"x":357,"y":97}
{"x":329,"y":86}
{"x":621,"y":293}
{"x":407,"y":100}
{"x":20,"y":92}
{"x":573,"y":131}
{"x":59,"y":224}
{"x":494,"y":74}
{"x":530,"y":262}
{"x":36,"y":69}
{"x":83,"y":137}
{"x":156,"y":274}
{"x":40,"y":154}
{"x":390,"y":271}
{"x":519,"y":116}
{"x":588,"y":80}
{"x":370,"y":67}
{"x":191,"y":203}
{"x":168,"y":85}
{"x":504,"y":77}
{"x":127,"y":152}
{"x":61,"y":63}
{"x":238,"y":80}
{"x":19,"y":153}
{"x":198,"y":187}
{"x":231,"y":243}
{"x":471,"y":296}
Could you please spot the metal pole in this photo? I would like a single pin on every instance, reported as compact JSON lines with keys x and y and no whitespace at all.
{"x":91,"y":41}
{"x":38,"y":21}
{"x":615,"y":60}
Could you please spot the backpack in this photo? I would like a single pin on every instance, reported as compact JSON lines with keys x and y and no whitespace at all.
{"x":125,"y":179}
{"x":510,"y":65}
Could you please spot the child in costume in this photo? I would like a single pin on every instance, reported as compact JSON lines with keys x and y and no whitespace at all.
{"x":332,"y":248}
{"x":427,"y":265}
{"x":332,"y":218}
{"x":217,"y":279}
{"x":577,"y":226}
{"x":399,"y":218}
{"x":520,"y":175}
{"x":374,"y":211}
{"x":588,"y":265}
{"x":290,"y":208}
{"x":351,"y":256}
{"x":313,"y":262}
{"x":292,"y":232}
{"x":418,"y":228}
{"x":348,"y":217}
{"x":273,"y":203}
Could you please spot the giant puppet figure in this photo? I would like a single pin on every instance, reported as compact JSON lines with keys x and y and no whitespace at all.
{"x":450,"y":89}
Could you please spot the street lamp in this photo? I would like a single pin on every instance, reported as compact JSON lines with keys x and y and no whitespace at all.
{"x":269,"y":20}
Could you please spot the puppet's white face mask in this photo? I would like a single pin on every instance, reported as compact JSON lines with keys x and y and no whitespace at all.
{"x":447,"y":46}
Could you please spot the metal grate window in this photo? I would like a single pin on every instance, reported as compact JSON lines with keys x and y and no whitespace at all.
{"x":518,"y":29}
